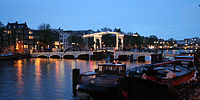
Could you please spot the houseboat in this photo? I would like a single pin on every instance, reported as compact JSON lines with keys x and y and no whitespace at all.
{"x":102,"y":81}
{"x":176,"y":72}
{"x":151,"y":81}
{"x":161,"y":81}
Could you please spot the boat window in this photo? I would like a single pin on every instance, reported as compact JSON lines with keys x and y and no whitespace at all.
{"x":120,"y":68}
{"x":112,"y":69}
{"x":100,"y":68}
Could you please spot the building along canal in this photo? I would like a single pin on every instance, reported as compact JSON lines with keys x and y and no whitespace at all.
{"x":44,"y":78}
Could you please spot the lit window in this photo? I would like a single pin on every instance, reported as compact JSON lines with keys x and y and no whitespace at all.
{"x":9,"y":31}
{"x":30,"y":37}
{"x":56,"y":42}
{"x":17,"y":46}
{"x":26,"y":46}
{"x":30,"y":32}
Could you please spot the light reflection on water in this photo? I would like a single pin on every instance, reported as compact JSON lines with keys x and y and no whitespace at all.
{"x":41,"y":79}
{"x":19,"y":75}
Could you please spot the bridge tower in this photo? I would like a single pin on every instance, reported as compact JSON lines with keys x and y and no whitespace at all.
{"x":99,"y":37}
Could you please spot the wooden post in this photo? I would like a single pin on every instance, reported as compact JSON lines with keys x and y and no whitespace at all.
{"x":76,"y":79}
{"x":131,"y":58}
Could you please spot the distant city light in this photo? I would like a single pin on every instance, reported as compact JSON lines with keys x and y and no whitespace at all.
{"x":151,"y":47}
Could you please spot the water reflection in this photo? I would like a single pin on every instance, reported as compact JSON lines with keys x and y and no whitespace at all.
{"x":19,"y":74}
{"x":74,"y":64}
{"x":91,"y":65}
{"x":39,"y":78}
{"x":38,"y":83}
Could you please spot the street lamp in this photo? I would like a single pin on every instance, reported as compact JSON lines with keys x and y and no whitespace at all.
{"x":38,"y":46}
{"x":73,"y":46}
{"x":61,"y":46}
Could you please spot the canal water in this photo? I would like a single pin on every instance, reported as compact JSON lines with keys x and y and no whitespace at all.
{"x":43,"y":78}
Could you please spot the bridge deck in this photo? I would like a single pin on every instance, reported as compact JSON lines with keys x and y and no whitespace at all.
{"x":77,"y":53}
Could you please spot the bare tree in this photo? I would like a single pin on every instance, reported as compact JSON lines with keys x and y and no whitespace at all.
{"x":45,"y":36}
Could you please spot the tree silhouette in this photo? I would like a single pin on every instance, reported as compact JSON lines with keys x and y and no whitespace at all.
{"x":45,"y":35}
{"x":90,"y":42}
{"x":1,"y":36}
{"x":1,"y":25}
{"x":44,"y":27}
{"x":77,"y":42}
{"x":151,"y":39}
{"x":105,"y":29}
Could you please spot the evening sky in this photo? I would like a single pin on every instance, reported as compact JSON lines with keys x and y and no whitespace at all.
{"x":164,"y":18}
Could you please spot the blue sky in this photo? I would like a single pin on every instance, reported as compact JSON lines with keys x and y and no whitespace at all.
{"x":166,"y":19}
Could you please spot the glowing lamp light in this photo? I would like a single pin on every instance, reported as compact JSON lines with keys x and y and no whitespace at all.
{"x":151,"y":47}
{"x":30,"y":32}
{"x":17,"y":46}
{"x":135,"y":35}
{"x":56,"y":43}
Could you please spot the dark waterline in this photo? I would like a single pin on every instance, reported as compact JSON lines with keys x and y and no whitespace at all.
{"x":42,"y":78}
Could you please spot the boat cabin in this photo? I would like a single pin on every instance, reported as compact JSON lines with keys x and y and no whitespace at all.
{"x":112,"y":68}
{"x":105,"y":75}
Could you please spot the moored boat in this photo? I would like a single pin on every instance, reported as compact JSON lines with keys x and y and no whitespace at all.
{"x":162,"y":81}
{"x":102,"y":81}
{"x":9,"y":56}
{"x":176,"y":72}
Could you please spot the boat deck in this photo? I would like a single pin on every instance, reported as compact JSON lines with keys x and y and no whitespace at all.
{"x":179,"y":70}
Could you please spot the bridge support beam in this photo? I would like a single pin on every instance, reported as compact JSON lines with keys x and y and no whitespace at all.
{"x":95,"y":41}
{"x":119,"y":47}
